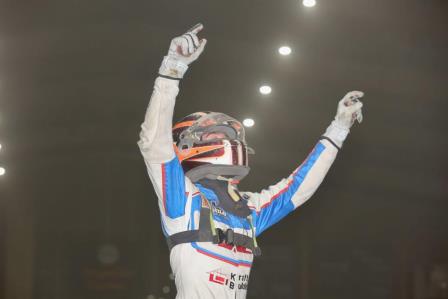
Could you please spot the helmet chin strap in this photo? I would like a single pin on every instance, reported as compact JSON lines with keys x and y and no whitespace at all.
{"x":231,"y":189}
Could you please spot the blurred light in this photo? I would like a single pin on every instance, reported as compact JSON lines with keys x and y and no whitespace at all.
{"x":166,"y":289}
{"x":108,"y":254}
{"x":171,"y":276}
{"x":309,"y":3}
{"x":248,"y":122}
{"x":265,"y":89}
{"x":2,"y":171}
{"x":151,"y":297}
{"x":285,"y":50}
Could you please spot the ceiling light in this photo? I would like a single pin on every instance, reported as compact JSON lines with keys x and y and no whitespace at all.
{"x":285,"y":50}
{"x":248,"y":122}
{"x":2,"y":171}
{"x":265,"y":89}
{"x":309,"y":3}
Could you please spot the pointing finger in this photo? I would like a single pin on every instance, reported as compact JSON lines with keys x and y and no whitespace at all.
{"x":196,"y":28}
{"x":355,"y":94}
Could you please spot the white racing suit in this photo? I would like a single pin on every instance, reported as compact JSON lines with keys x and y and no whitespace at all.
{"x":204,"y":269}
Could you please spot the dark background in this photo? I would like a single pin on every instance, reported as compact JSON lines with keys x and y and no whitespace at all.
{"x":75,"y":80}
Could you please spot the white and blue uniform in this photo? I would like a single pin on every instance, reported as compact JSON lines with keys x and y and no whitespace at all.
{"x":204,"y":269}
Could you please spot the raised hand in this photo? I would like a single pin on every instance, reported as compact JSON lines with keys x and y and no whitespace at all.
{"x":183,"y":51}
{"x":349,"y":109}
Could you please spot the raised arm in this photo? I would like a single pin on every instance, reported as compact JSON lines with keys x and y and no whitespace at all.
{"x":274,"y":203}
{"x":156,"y":142}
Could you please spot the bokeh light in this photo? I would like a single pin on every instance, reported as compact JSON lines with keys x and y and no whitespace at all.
{"x":248,"y":122}
{"x":309,"y":3}
{"x":284,"y":50}
{"x":265,"y":89}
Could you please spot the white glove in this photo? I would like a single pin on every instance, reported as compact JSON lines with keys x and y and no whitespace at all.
{"x":183,"y":50}
{"x":349,"y":110}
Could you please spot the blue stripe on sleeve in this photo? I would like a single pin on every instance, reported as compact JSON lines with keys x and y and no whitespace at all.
{"x":174,"y":189}
{"x":282,"y":204}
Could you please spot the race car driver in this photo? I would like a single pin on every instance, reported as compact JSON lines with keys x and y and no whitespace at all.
{"x":195,"y":166}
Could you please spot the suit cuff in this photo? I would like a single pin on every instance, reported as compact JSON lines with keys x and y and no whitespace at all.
{"x":336,"y":133}
{"x":172,"y":68}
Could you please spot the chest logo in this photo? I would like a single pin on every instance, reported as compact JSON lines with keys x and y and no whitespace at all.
{"x":217,"y":210}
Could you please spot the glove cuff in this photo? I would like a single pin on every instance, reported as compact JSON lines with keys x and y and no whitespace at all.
{"x":172,"y":68}
{"x":336,"y":133}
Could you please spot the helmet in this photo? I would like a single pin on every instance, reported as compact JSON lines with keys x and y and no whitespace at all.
{"x":211,"y":144}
